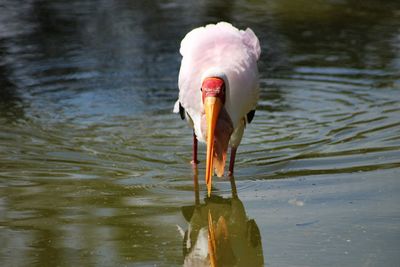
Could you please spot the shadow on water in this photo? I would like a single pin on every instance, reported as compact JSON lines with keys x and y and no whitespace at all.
{"x":219,"y":232}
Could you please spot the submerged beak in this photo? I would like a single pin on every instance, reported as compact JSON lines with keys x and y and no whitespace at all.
{"x":212,"y":107}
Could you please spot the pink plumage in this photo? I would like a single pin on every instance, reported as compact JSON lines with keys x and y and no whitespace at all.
{"x":219,"y":49}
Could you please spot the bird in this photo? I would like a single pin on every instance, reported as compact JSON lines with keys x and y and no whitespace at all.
{"x":218,"y":90}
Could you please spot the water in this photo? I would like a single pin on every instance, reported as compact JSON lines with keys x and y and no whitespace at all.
{"x":94,"y":167}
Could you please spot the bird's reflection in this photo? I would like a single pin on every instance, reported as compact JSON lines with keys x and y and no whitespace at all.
{"x":219,"y":232}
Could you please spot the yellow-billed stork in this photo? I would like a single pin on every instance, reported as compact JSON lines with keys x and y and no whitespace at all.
{"x":218,"y":90}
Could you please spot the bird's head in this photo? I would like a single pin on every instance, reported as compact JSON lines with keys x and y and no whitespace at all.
{"x":213,"y":97}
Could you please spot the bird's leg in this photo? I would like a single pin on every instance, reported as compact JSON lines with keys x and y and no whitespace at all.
{"x":232,"y":161}
{"x":233,"y":187}
{"x":194,"y":160}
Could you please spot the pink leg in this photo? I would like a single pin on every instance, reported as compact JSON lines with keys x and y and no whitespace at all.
{"x":194,"y":161}
{"x":232,"y":160}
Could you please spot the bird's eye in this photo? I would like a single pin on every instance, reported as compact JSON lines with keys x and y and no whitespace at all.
{"x":201,"y":89}
{"x":223,"y":89}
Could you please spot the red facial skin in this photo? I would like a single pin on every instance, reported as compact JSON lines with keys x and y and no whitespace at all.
{"x":213,"y":87}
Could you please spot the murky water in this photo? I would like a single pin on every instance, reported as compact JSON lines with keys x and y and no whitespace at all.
{"x":94,"y":167}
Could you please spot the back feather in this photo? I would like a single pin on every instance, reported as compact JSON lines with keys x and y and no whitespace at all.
{"x":223,"y":30}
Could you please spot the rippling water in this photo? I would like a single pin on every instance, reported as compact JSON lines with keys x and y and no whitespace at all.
{"x":94,"y":167}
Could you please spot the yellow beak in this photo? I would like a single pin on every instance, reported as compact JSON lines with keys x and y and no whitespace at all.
{"x":212,"y":107}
